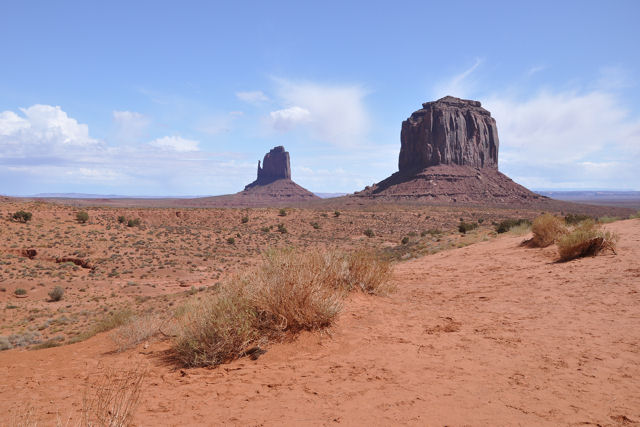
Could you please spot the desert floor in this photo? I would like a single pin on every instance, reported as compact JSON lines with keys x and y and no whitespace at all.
{"x":488,"y":334}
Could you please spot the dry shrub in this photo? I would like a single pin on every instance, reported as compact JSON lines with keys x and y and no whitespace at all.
{"x":135,"y":331}
{"x":586,"y":239}
{"x":216,"y":329}
{"x":294,"y":291}
{"x":114,"y":399}
{"x":547,"y":229}
{"x":291,"y":291}
{"x":369,"y":273}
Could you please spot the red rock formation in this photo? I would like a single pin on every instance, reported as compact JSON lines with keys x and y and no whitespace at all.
{"x":449,"y":131}
{"x":449,"y":153}
{"x":275,"y":166}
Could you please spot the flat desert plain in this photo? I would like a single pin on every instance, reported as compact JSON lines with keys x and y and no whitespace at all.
{"x":480,"y":330}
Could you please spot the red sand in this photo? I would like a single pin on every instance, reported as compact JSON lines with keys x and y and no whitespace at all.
{"x":490,"y":334}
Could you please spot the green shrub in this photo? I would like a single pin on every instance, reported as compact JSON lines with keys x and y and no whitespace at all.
{"x":245,"y":219}
{"x":282,"y":212}
{"x":608,"y":219}
{"x":265,"y":229}
{"x":547,"y":229}
{"x":369,"y":233}
{"x":82,"y":217}
{"x":405,"y":240}
{"x":463,"y":227}
{"x":282,"y":229}
{"x":122,"y":219}
{"x":56,"y":293}
{"x":586,"y":239}
{"x":20,"y":291}
{"x":231,"y":240}
{"x":22,"y":216}
{"x":336,"y":214}
{"x":315,"y":225}
{"x":431,"y":231}
{"x":133,"y":222}
{"x":573,"y":219}
{"x":508,"y":224}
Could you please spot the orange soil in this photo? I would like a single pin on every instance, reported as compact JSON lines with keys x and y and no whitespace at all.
{"x":489,"y":334}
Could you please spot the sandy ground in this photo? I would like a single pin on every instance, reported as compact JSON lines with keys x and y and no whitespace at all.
{"x":490,"y":334}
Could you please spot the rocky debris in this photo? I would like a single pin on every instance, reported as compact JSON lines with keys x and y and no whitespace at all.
{"x":275,"y":166}
{"x":449,"y":131}
{"x":453,"y":184}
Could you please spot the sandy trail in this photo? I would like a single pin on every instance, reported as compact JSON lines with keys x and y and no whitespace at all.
{"x":490,"y":334}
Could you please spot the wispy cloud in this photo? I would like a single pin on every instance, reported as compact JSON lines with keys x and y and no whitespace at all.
{"x":460,"y":85}
{"x":335,"y":114}
{"x":255,"y":97}
{"x":130,"y":125}
{"x":568,"y":139}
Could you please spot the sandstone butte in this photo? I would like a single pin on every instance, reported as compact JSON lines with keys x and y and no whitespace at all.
{"x":449,"y":153}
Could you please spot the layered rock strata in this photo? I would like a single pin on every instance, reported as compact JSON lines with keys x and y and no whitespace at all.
{"x":449,"y":131}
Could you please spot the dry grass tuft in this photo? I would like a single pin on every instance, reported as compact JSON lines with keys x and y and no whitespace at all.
{"x":217,"y":329}
{"x":290,"y":292}
{"x":586,"y":239}
{"x":547,"y":229}
{"x":135,"y":331}
{"x":114,"y":399}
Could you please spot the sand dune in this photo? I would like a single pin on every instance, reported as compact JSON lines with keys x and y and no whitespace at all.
{"x":489,"y":334}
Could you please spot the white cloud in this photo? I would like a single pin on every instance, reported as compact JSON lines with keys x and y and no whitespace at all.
{"x":331,"y":113}
{"x":45,"y":130}
{"x":252,"y":97}
{"x":459,"y":85}
{"x":130,"y":125}
{"x":568,"y":139}
{"x":175,"y":143}
{"x":287,"y":119}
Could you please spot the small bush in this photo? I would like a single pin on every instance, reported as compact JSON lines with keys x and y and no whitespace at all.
{"x":587,"y":239}
{"x":82,"y":217}
{"x":133,"y":222}
{"x":22,"y":216}
{"x":547,"y":229}
{"x":20,"y":291}
{"x":56,"y":293}
{"x":336,"y":214}
{"x":431,"y":231}
{"x":5,"y":344}
{"x":282,"y":229}
{"x":291,"y":291}
{"x":369,"y":233}
{"x":282,"y":212}
{"x":122,"y":219}
{"x":231,"y":240}
{"x":135,"y":331}
{"x":315,"y":225}
{"x":245,"y":219}
{"x":405,"y":240}
{"x":574,"y":219}
{"x":463,"y":227}
{"x":508,"y":224}
{"x":265,"y":229}
{"x":608,"y":219}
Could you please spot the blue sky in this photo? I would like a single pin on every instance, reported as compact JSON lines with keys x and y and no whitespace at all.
{"x":183,"y":98}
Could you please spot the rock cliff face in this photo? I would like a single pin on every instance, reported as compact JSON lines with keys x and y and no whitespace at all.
{"x":273,"y":185}
{"x":275,"y":165}
{"x":449,"y":154}
{"x":448,"y":131}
